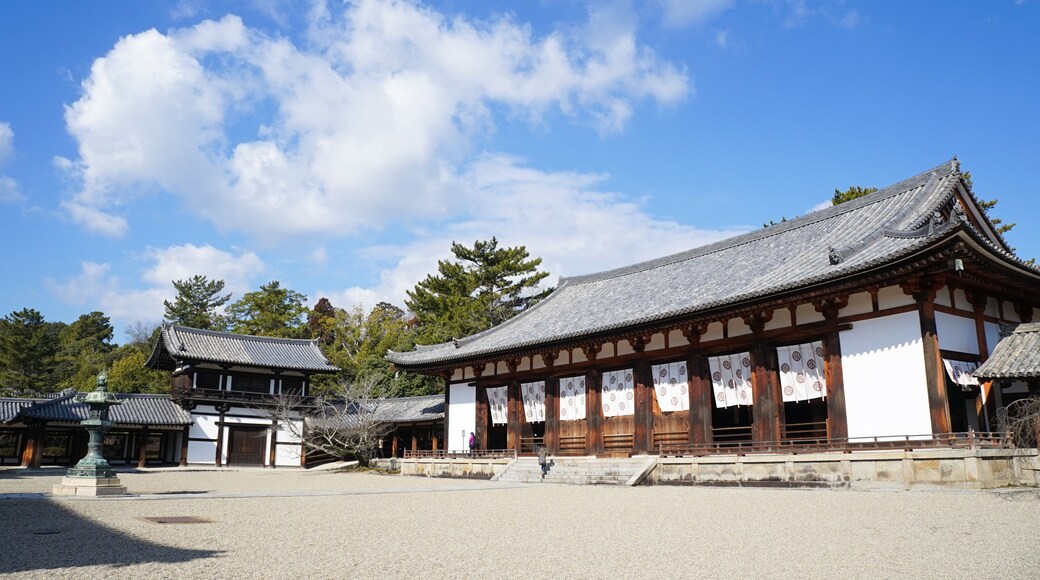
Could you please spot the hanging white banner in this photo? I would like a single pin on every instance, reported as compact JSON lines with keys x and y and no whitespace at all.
{"x":960,"y":371}
{"x":618,"y":393}
{"x":731,"y":379}
{"x":671,"y":384}
{"x":534,"y":401}
{"x":572,"y":398}
{"x":498,"y":400}
{"x":801,"y":372}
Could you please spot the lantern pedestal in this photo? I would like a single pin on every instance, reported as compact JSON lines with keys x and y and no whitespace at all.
{"x":86,"y":486}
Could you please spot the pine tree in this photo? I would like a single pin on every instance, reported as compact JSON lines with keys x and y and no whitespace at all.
{"x":28,"y":345}
{"x":270,"y":311}
{"x":484,"y":286}
{"x":196,"y":303}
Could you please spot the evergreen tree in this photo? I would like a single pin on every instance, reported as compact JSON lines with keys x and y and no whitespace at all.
{"x":270,"y":311}
{"x":321,"y":322}
{"x":84,"y":348}
{"x":484,"y":286}
{"x":127,"y":373}
{"x":850,"y":194}
{"x":28,"y":346}
{"x":197,"y":303}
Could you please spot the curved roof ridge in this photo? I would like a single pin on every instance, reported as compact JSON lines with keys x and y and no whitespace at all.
{"x":190,"y":330}
{"x":951,"y":166}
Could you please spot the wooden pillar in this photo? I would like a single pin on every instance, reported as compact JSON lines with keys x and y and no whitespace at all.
{"x":552,"y":414}
{"x":990,"y":389}
{"x":447,"y":407}
{"x":700,"y":399}
{"x":220,"y":435}
{"x":514,"y":415}
{"x":923,"y":291}
{"x":142,"y":459}
{"x":481,"y":424}
{"x":32,"y":454}
{"x":767,"y":410}
{"x":643,"y":435}
{"x":273,"y":452}
{"x":593,"y":412}
{"x":415,"y":441}
{"x":433,"y":437}
{"x":393,"y":446}
{"x":303,"y":447}
{"x":837,"y":418}
{"x":185,"y":438}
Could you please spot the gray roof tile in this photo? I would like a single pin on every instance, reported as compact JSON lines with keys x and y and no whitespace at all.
{"x":411,"y":409}
{"x":136,"y":409}
{"x":181,"y":343}
{"x":1016,"y":356}
{"x":867,"y":232}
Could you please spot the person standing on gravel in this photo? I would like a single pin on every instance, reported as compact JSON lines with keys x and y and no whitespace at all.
{"x":472,"y":442}
{"x":543,"y":459}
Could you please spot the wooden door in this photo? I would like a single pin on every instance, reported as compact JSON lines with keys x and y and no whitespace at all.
{"x":247,"y":445}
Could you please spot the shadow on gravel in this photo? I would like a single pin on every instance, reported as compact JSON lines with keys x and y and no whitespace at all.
{"x":43,"y":535}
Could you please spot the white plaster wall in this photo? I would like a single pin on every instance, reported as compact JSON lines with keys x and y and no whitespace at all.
{"x":205,"y":427}
{"x":456,"y":375}
{"x":883,"y":369}
{"x":942,"y":297}
{"x":992,"y":335}
{"x":781,"y":319}
{"x":1010,"y":313}
{"x":956,"y":333}
{"x":607,"y":351}
{"x":624,"y":347}
{"x":960,"y":300}
{"x":893,"y":297}
{"x":714,"y":332}
{"x":656,"y":342}
{"x":806,"y":313}
{"x":676,"y":338}
{"x":202,"y":451}
{"x":859,"y":303}
{"x":288,"y":455}
{"x":737,"y":327}
{"x":462,"y":415}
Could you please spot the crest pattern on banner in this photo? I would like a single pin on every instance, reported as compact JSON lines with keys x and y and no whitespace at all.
{"x":572,"y":398}
{"x":534,"y":401}
{"x":619,"y":396}
{"x":671,"y":384}
{"x":731,"y":379}
{"x":960,"y":371}
{"x":498,"y":400}
{"x":801,"y":372}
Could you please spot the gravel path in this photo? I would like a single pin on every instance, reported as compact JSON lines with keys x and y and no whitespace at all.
{"x":343,"y":525}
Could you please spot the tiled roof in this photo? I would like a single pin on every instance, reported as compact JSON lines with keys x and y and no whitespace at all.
{"x":136,"y":409}
{"x":411,"y":409}
{"x":824,"y":245}
{"x":1016,"y":356}
{"x":9,"y":407}
{"x":181,"y":343}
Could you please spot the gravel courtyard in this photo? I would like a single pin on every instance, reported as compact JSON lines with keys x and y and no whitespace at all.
{"x":279,"y":524}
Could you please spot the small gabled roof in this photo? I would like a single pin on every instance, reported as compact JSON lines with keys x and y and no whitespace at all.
{"x":10,"y":406}
{"x":1016,"y":356}
{"x":177,"y":344}
{"x":135,"y":409}
{"x":836,"y":242}
{"x":410,"y":409}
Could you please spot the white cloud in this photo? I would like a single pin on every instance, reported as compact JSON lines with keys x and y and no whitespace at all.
{"x":822,"y":205}
{"x":8,"y":187}
{"x":679,"y":13}
{"x":560,"y":217}
{"x":373,"y":113}
{"x":722,"y":38}
{"x":125,"y":302}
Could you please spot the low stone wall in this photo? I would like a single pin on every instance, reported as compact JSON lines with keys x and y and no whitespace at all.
{"x":945,"y":468}
{"x":466,"y":468}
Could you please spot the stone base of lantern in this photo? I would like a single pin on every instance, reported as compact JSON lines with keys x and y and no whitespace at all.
{"x":89,"y":486}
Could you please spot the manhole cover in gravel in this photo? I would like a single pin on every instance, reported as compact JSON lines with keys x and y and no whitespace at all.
{"x":178,"y":520}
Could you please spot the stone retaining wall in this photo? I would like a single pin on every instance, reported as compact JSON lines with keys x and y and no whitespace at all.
{"x":466,"y":468}
{"x":947,"y":468}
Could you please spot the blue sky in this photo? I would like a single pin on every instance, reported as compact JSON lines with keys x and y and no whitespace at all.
{"x":341,"y":147}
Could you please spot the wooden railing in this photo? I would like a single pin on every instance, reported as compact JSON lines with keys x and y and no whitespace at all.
{"x":474,"y":454}
{"x":618,"y":442}
{"x":530,"y":444}
{"x":969,"y":440}
{"x":803,"y":431}
{"x":233,"y":396}
{"x":731,"y":435}
{"x":572,"y":445}
{"x":670,"y":438}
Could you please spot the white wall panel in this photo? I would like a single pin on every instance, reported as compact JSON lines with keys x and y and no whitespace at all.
{"x":859,"y":303}
{"x":992,"y":335}
{"x":893,"y":297}
{"x":287,"y":455}
{"x":462,"y":415}
{"x":883,"y":369}
{"x":202,"y":451}
{"x":956,"y":333}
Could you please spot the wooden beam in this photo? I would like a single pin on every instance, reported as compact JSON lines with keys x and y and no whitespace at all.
{"x":141,"y":458}
{"x":643,"y":418}
{"x":515,"y":415}
{"x":481,"y":424}
{"x":700,"y":399}
{"x":552,"y":414}
{"x":273,"y":453}
{"x":220,"y":435}
{"x":923,"y":291}
{"x":837,"y":418}
{"x":593,"y":412}
{"x":767,"y":409}
{"x":185,"y":436}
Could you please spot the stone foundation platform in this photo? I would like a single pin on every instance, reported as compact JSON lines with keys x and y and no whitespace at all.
{"x":89,"y":487}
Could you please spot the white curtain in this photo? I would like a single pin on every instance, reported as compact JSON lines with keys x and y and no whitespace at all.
{"x":498,"y":400}
{"x":731,"y":379}
{"x":534,"y":401}
{"x":572,"y":398}
{"x":672,"y":386}
{"x":801,"y":372}
{"x":618,"y":393}
{"x":960,"y":371}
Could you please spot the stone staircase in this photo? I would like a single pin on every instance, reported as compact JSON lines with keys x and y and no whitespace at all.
{"x":580,"y":470}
